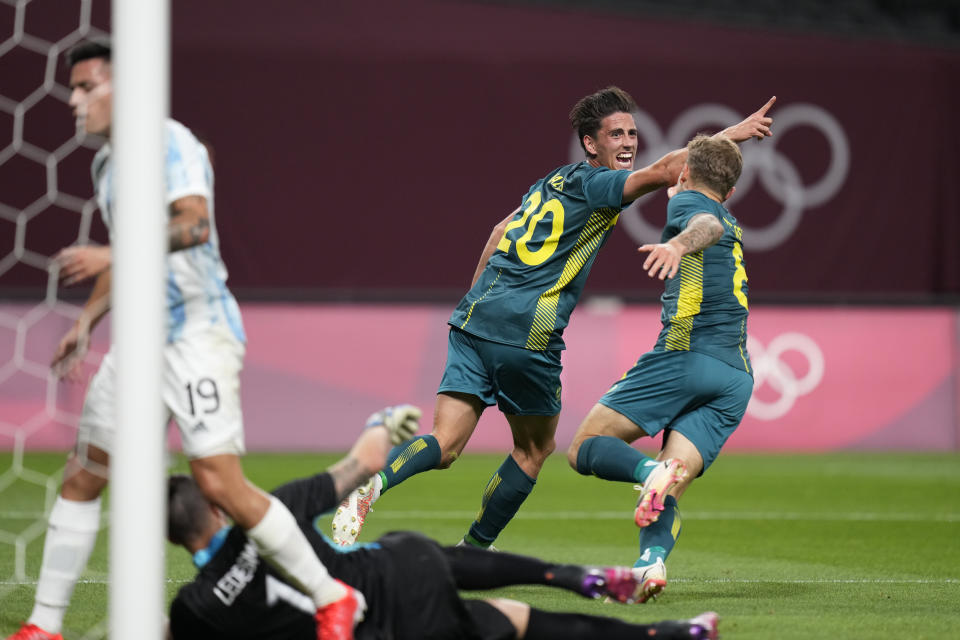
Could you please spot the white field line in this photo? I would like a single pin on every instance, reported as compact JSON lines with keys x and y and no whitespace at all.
{"x":97,"y":581}
{"x":687,"y":515}
{"x":853,"y":516}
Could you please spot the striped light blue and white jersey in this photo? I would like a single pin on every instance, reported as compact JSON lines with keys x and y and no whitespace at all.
{"x":196,"y":284}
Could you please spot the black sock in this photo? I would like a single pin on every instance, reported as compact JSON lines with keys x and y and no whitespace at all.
{"x":475,"y":568}
{"x":548,"y":625}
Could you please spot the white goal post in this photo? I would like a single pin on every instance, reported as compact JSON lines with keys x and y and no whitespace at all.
{"x":141,"y":79}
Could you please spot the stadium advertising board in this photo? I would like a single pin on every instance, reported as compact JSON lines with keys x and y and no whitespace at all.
{"x":825,"y":378}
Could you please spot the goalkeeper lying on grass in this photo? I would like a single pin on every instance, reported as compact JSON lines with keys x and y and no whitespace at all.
{"x":403,"y":585}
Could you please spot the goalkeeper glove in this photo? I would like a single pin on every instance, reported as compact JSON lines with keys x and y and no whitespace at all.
{"x":401,"y":421}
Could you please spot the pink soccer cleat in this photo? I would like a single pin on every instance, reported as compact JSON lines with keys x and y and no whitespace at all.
{"x":616,"y":583}
{"x":663,"y":477}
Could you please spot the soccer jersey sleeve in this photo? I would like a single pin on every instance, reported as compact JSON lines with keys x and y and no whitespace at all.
{"x":187,"y":165}
{"x":308,"y":497}
{"x":603,"y":187}
{"x":680,"y":209}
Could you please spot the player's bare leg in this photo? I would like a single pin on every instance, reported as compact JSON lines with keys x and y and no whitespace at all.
{"x":455,"y":418}
{"x":71,"y":536}
{"x":533,"y":441}
{"x":680,"y":448}
{"x":222,"y":481}
{"x":86,"y":474}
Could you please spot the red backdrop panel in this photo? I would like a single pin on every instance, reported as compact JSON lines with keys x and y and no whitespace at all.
{"x":365,"y":149}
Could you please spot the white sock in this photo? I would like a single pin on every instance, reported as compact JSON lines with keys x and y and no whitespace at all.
{"x":281,"y":543}
{"x":71,"y":534}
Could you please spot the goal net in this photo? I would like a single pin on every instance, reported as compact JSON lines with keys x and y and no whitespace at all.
{"x":45,"y":205}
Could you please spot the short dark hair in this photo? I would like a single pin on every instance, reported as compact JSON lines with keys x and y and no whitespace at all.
{"x":715,"y":162}
{"x":89,"y":49}
{"x":187,"y":509}
{"x":590,"y":111}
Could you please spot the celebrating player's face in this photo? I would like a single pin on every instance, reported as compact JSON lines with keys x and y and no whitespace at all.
{"x":616,"y":142}
{"x":90,"y":96}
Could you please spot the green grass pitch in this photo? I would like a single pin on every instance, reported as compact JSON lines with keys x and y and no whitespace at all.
{"x":785,"y":546}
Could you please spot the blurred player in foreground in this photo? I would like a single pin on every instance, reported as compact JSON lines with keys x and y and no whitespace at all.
{"x":203,"y":356}
{"x":696,"y":382}
{"x":410,"y":582}
{"x":506,"y":338}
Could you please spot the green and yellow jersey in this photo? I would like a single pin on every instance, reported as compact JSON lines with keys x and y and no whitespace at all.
{"x":533,"y":280}
{"x":705,"y":304}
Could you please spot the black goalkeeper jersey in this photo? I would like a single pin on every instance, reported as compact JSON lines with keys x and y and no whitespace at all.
{"x":405,"y":578}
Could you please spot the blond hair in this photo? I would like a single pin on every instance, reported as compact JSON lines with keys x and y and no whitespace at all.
{"x":715,"y":163}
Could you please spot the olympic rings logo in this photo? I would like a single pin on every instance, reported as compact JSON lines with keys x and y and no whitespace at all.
{"x":776,"y":172}
{"x":769,"y":369}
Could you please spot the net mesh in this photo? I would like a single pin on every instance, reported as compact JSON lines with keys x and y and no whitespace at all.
{"x":45,"y":205}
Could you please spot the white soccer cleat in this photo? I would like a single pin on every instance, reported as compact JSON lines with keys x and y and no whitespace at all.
{"x":663,"y":478}
{"x":352,"y":512}
{"x":651,"y":579}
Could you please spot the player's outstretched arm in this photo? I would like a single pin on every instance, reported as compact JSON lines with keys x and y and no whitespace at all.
{"x":662,"y":173}
{"x":756,"y":125}
{"x":384,"y":429}
{"x":703,"y":230}
{"x":665,"y":171}
{"x":495,"y":236}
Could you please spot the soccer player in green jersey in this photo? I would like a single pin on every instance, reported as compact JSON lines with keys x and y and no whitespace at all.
{"x":696,"y":382}
{"x":506,"y":334}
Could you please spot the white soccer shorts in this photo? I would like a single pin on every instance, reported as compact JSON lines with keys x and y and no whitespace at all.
{"x":200,"y":391}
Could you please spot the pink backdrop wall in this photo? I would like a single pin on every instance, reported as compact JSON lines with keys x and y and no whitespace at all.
{"x":826,"y":378}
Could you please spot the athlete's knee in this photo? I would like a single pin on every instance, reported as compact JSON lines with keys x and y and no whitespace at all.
{"x":548,"y":448}
{"x":215,"y":485}
{"x":211,"y":486}
{"x":84,"y":479}
{"x":83,"y":486}
{"x":573,"y":453}
{"x":540,"y":451}
{"x":531,"y":459}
